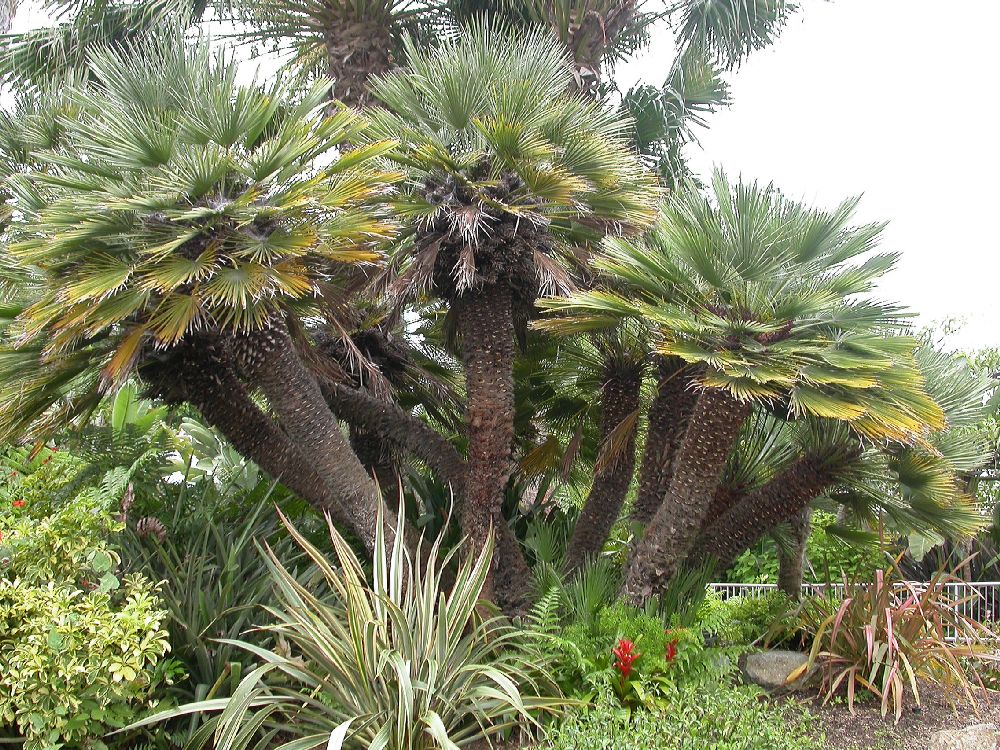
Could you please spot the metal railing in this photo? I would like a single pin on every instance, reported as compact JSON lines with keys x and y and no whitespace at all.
{"x":979,"y":601}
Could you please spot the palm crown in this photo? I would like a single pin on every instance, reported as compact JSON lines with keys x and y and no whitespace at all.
{"x":768,"y":295}
{"x":499,"y":158}
{"x":160,"y":210}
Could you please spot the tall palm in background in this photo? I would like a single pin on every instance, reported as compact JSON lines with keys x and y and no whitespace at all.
{"x":757,"y":291}
{"x":504,"y":172}
{"x":169,"y":221}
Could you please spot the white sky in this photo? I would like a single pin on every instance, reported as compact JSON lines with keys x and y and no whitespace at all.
{"x":892,"y":99}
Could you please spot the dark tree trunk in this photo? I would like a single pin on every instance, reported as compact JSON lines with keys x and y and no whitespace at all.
{"x":411,"y":435}
{"x":619,"y":401}
{"x":725,"y":499}
{"x":270,"y":361}
{"x":394,"y":425}
{"x":757,"y":513}
{"x":201,"y":372}
{"x":714,"y":427}
{"x":377,"y":457}
{"x":792,"y":557}
{"x":357,"y":51}
{"x":668,"y":417}
{"x":486,"y":320}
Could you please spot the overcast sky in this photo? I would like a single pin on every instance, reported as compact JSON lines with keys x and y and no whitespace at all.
{"x":892,"y":99}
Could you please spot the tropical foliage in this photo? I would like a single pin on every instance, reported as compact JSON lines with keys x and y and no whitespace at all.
{"x":434,"y":283}
{"x":886,"y":636}
{"x":395,"y":662}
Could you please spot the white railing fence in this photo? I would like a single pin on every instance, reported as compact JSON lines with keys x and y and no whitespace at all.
{"x":978,"y":601}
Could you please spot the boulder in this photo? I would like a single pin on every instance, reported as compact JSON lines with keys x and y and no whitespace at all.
{"x":770,"y":670}
{"x":975,"y":737}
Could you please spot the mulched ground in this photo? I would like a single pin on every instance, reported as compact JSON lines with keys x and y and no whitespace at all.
{"x":867,"y":730}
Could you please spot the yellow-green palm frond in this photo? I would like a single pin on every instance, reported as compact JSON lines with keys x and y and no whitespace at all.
{"x":176,"y":200}
{"x":490,"y":103}
{"x":772,"y":297}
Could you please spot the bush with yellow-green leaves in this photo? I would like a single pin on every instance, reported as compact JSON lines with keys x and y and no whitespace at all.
{"x":81,"y":645}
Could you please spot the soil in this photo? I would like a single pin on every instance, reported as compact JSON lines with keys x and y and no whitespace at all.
{"x":867,"y":730}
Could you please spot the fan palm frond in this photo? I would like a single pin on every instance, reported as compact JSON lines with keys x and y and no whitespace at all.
{"x":730,"y":29}
{"x":771,"y":297}
{"x":176,"y":201}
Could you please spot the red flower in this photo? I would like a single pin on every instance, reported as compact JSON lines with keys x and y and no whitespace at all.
{"x":671,"y":650}
{"x":1,"y":536}
{"x":18,"y":503}
{"x":625,"y":656}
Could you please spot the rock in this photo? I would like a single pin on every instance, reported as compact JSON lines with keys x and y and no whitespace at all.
{"x":770,"y":669}
{"x":975,"y":737}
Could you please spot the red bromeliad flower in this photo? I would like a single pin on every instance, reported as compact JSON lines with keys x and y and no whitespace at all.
{"x":625,"y":656}
{"x":18,"y":503}
{"x":671,"y":650}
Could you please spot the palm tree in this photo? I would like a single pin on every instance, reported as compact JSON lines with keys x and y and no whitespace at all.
{"x":612,"y":364}
{"x":759,"y":293}
{"x":170,"y":227}
{"x":504,"y":171}
{"x":347,"y":41}
{"x":781,"y":468}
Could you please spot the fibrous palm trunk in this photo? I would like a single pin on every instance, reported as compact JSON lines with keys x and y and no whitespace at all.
{"x":668,"y":418}
{"x":486,"y":320}
{"x":409,"y":434}
{"x":357,"y":51}
{"x":401,"y":430}
{"x":376,"y":456}
{"x":757,"y":513}
{"x":200,"y":371}
{"x":270,"y":361}
{"x":619,"y":402}
{"x":714,"y":427}
{"x":792,"y":554}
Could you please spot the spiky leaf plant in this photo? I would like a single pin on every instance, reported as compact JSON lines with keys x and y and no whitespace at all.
{"x":887,"y":636}
{"x":505,"y":170}
{"x":169,"y":219}
{"x":766,"y":298}
{"x":403,"y":664}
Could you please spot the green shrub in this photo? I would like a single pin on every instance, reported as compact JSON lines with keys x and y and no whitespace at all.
{"x":735,"y":718}
{"x":75,"y":663}
{"x":406,"y":663}
{"x":214,"y":585}
{"x":80,"y":645}
{"x":745,"y":620}
{"x":583,"y":664}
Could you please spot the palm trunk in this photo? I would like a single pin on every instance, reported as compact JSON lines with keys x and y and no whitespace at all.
{"x":7,"y":10}
{"x":791,"y":557}
{"x":619,"y":401}
{"x":713,"y":430}
{"x":486,"y":320}
{"x":376,"y":456}
{"x":269,"y":359}
{"x":201,"y":373}
{"x":778,"y":501}
{"x":402,"y":430}
{"x":357,"y":51}
{"x":668,"y":417}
